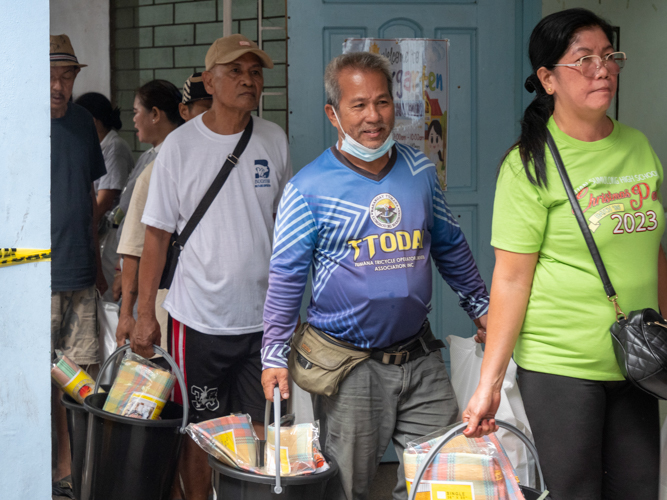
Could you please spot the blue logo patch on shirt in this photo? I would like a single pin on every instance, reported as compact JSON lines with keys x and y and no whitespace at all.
{"x":262,"y":171}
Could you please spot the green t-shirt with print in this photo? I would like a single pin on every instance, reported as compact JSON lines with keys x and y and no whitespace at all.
{"x":617,"y":181}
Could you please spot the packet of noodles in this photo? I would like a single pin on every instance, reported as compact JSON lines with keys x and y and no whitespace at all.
{"x":140,"y":390}
{"x":71,"y":378}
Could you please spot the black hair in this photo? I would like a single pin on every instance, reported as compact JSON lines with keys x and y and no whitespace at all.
{"x":550,"y":39}
{"x":100,"y":107}
{"x":164,"y":96}
{"x":435,"y":124}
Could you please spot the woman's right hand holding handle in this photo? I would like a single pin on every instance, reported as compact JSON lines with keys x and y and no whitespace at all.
{"x":481,"y":412}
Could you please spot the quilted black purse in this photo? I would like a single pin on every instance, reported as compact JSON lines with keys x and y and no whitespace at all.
{"x":640,"y":338}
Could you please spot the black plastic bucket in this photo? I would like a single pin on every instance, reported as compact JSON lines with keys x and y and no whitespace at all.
{"x":230,"y":483}
{"x":129,"y":458}
{"x":77,"y":425}
{"x":531,"y":493}
{"x":456,"y":430}
{"x":240,"y":485}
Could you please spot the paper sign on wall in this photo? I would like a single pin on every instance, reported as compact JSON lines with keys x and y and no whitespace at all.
{"x":420,"y":79}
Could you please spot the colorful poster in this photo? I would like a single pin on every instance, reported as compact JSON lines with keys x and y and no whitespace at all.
{"x":420,"y":83}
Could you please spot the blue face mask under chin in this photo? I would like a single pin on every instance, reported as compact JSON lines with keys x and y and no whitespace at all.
{"x":359,"y":150}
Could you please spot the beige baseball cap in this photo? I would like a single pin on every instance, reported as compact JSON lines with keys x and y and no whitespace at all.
{"x":229,"y":48}
{"x":62,"y":52}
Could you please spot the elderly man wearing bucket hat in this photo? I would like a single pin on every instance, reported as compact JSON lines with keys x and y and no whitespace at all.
{"x":76,"y":161}
{"x":216,"y":299}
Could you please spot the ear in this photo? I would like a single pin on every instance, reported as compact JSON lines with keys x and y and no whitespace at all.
{"x":156,"y":114}
{"x":547,"y":79}
{"x":207,"y":79}
{"x":183,"y":111}
{"x":329,"y":110}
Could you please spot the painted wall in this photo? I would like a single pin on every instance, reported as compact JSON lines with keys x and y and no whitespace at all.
{"x":86,"y":22}
{"x":168,"y":39}
{"x":25,"y":297}
{"x":642,"y":100}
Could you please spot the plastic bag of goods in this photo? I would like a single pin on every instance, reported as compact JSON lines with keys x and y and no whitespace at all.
{"x":299,"y":450}
{"x":231,"y":439}
{"x":464,"y":468}
{"x":140,"y":390}
{"x":71,"y":378}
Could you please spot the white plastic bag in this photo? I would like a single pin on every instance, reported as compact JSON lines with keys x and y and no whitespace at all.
{"x":302,"y":405}
{"x":466,"y":363}
{"x":663,"y":462}
{"x":107,"y":322}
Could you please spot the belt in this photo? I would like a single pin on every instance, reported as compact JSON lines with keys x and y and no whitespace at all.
{"x":420,"y":345}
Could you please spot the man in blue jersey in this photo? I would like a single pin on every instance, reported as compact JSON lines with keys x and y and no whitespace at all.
{"x":366,"y":215}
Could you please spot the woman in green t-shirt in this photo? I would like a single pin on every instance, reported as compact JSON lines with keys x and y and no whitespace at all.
{"x":597,"y":435}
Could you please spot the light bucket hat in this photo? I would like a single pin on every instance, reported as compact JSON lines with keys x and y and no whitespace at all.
{"x":62,"y":52}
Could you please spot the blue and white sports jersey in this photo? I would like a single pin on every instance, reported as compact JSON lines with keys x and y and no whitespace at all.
{"x":369,"y":242}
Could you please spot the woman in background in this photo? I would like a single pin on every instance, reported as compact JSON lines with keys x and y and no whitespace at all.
{"x":597,"y":435}
{"x":118,"y":161}
{"x":156,"y":115}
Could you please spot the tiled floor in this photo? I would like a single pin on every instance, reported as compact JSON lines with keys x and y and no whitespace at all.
{"x":384,"y":482}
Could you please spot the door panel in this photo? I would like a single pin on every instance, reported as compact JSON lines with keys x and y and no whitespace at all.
{"x":400,"y":28}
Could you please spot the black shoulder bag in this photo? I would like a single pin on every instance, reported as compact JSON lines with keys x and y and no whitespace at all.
{"x":177,"y":241}
{"x":640,"y":338}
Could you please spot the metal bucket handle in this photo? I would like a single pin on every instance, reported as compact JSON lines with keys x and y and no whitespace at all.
{"x":277,"y":489}
{"x":174,"y":368}
{"x":458,"y":430}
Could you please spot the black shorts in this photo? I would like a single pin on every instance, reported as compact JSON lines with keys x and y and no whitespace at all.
{"x":222,"y":372}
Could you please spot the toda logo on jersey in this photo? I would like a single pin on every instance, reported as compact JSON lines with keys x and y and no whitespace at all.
{"x":262,"y":171}
{"x":385,"y":211}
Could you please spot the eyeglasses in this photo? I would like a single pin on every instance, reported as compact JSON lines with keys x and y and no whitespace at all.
{"x":590,"y":65}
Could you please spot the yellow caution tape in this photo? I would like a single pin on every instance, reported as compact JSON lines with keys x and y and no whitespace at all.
{"x":13,"y":256}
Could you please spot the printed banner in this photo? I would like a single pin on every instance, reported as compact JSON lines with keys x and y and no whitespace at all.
{"x":420,"y":73}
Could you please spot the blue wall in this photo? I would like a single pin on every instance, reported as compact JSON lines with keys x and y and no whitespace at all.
{"x":25,"y":296}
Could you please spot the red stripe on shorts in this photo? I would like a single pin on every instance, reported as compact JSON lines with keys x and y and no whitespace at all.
{"x":178,"y":353}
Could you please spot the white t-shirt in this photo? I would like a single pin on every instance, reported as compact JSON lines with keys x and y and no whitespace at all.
{"x":222,"y":276}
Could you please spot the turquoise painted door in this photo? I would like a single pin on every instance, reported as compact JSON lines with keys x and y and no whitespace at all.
{"x":487,"y":70}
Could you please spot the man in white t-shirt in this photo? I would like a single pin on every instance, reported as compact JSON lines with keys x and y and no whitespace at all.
{"x":216,"y":299}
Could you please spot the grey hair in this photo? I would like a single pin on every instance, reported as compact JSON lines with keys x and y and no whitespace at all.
{"x":365,"y":61}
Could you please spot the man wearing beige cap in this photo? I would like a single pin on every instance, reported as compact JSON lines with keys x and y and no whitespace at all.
{"x":216,"y":299}
{"x":76,"y":161}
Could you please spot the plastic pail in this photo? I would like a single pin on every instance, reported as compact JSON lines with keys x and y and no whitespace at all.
{"x":529,"y":493}
{"x":129,"y":458}
{"x":230,"y":483}
{"x":532,"y":494}
{"x":77,"y":425}
{"x":240,"y":485}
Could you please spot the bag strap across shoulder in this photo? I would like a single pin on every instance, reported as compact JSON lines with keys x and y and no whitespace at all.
{"x":216,"y":186}
{"x":590,"y":242}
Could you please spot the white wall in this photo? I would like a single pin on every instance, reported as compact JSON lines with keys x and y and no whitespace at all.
{"x":642,"y":96}
{"x":86,"y":22}
{"x":25,"y":221}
